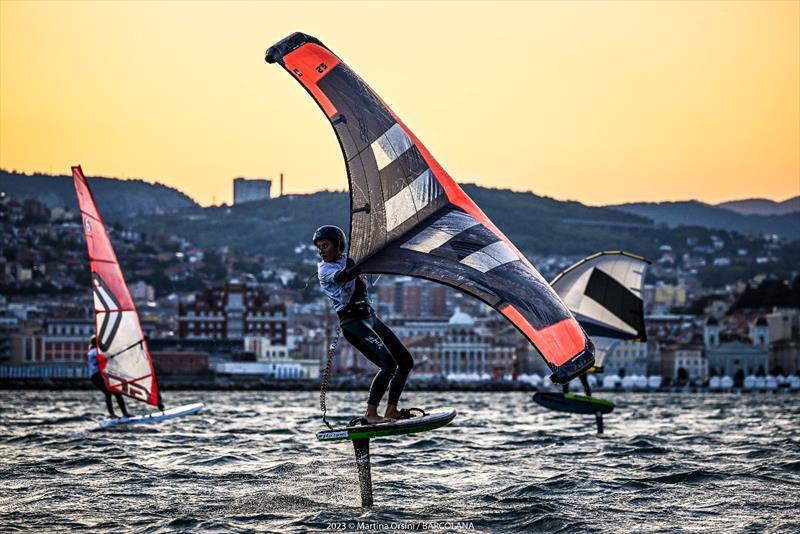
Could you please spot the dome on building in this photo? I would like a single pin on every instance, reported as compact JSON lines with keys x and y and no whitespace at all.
{"x":460,"y":318}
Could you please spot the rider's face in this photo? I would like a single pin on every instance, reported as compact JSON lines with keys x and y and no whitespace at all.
{"x":327,"y":249}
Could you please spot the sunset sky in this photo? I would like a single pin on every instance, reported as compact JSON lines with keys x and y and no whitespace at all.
{"x":600,"y":102}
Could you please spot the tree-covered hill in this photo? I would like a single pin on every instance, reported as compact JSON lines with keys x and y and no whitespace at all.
{"x":117,"y":199}
{"x":538,"y":225}
{"x":675,"y":214}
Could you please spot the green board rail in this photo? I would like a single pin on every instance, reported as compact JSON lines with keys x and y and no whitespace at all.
{"x":413,"y":425}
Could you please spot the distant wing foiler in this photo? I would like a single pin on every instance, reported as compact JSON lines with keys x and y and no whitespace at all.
{"x":409,"y":217}
{"x":124,"y":360}
{"x":604,"y":347}
{"x":604,"y":292}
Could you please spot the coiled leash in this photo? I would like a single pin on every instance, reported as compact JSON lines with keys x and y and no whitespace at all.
{"x":324,"y":385}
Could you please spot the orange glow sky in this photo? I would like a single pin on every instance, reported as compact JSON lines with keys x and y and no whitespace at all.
{"x":600,"y":102}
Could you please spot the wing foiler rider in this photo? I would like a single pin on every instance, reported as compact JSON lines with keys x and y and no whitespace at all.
{"x":347,"y":289}
{"x":97,"y":380}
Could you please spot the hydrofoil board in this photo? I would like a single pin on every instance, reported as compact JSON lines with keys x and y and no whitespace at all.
{"x":430,"y":421}
{"x":572,"y":403}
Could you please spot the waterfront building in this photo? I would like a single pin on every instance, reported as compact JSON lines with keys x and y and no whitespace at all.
{"x":264,"y":350}
{"x":783,"y":323}
{"x":728,"y":357}
{"x":784,"y":341}
{"x":461,"y":347}
{"x":231,"y":312}
{"x":171,"y":363}
{"x":684,"y":362}
{"x":59,"y":341}
{"x":784,"y":357}
{"x":411,"y":298}
{"x":628,"y":357}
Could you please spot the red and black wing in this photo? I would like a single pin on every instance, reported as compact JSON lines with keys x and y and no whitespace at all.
{"x":409,"y":217}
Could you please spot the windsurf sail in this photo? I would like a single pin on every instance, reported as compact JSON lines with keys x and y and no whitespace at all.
{"x":409,"y":217}
{"x":604,"y":292}
{"x":122,"y":354}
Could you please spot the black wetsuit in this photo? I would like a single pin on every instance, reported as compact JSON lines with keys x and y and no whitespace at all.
{"x":97,"y":380}
{"x":376,"y":341}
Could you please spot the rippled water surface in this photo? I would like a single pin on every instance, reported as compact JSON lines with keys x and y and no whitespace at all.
{"x":250,"y":462}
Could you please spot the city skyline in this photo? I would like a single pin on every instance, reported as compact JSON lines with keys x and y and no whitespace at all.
{"x":609,"y":103}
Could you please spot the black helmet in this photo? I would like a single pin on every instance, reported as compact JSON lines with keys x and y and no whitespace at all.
{"x":93,"y":340}
{"x":333,"y":233}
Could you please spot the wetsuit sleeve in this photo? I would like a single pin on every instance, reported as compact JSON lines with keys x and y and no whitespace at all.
{"x":346,"y":274}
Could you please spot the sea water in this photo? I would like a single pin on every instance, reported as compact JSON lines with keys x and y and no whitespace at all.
{"x":250,"y":462}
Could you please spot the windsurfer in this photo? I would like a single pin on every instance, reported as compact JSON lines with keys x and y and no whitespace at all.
{"x":361,"y":326}
{"x":97,"y":380}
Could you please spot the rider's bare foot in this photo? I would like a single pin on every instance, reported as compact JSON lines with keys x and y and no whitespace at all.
{"x":393,"y":414}
{"x":372,"y":416}
{"x":375,"y":419}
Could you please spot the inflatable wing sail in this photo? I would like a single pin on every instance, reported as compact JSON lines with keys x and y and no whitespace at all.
{"x":604,"y":292}
{"x":123,"y":357}
{"x":409,"y":217}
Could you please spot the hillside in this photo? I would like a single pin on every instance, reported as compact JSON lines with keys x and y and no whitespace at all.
{"x":762,"y":206}
{"x":117,"y":199}
{"x":538,"y":225}
{"x":692,"y":212}
{"x":261,"y":237}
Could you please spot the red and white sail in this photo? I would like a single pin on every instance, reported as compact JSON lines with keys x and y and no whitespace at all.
{"x":122,"y":354}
